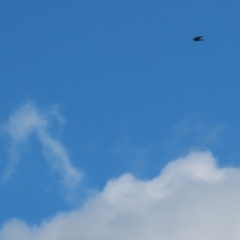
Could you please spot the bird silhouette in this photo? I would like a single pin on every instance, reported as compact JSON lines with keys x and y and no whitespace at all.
{"x":198,"y":38}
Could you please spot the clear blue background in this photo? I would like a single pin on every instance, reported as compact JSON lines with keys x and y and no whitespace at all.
{"x":128,"y":79}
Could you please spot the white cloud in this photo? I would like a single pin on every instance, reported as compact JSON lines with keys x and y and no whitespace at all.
{"x":192,"y":198}
{"x":28,"y":120}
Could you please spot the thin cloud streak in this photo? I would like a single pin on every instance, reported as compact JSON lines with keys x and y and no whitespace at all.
{"x":192,"y":198}
{"x":25,"y":122}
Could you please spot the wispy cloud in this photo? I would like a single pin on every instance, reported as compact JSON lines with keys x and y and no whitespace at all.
{"x":192,"y":198}
{"x":29,"y":120}
{"x":193,"y":132}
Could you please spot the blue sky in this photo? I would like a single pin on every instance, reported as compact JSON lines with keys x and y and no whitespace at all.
{"x":91,"y":90}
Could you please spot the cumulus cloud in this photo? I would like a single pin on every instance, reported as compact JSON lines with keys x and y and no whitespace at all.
{"x":192,"y":198}
{"x":29,"y":120}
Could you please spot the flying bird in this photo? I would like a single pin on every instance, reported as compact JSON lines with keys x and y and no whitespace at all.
{"x":198,"y":38}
